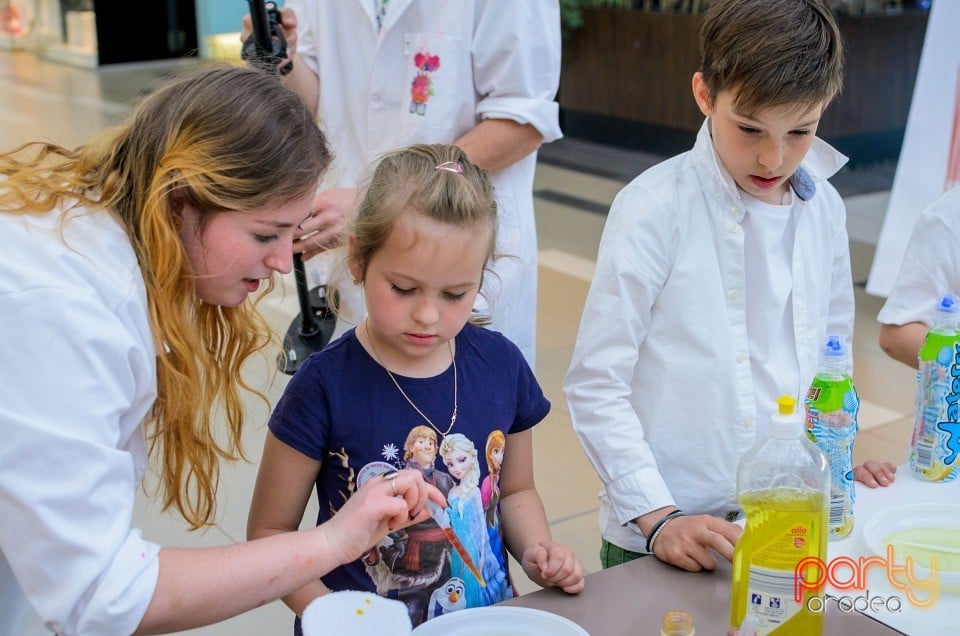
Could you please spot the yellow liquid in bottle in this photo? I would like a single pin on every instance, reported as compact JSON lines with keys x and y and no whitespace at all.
{"x":783,"y":527}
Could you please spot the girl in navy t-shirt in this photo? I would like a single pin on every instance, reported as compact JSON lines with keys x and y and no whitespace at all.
{"x":419,"y":386}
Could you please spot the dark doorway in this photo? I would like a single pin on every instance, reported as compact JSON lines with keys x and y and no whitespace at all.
{"x":142,"y":31}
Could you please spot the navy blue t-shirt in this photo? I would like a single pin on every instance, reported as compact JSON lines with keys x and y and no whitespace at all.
{"x":342,"y":408}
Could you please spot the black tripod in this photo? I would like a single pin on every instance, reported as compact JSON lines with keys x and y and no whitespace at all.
{"x":311,"y":330}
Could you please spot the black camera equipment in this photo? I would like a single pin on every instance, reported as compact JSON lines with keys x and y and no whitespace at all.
{"x":310,"y":331}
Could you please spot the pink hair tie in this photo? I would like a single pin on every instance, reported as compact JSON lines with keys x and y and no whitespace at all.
{"x":450,"y":166}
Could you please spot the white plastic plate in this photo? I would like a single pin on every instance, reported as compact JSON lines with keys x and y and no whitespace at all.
{"x":879,"y":528}
{"x":499,"y":620}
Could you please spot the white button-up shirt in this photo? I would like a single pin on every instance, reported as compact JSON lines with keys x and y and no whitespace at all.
{"x":77,"y":377}
{"x":931,"y":264}
{"x":659,"y":389}
{"x":480,"y":59}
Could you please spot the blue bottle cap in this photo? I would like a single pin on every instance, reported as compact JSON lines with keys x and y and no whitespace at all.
{"x":949,"y":304}
{"x":835,"y":347}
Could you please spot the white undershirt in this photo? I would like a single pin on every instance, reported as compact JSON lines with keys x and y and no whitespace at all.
{"x":380,"y":11}
{"x":769,"y":232}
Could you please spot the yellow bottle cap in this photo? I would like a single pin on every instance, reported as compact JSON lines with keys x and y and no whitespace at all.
{"x":786,"y":404}
{"x":786,"y":423}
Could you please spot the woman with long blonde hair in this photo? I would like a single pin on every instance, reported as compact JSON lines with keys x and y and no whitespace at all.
{"x":126,"y":270}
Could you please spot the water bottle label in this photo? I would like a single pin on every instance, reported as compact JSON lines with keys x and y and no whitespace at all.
{"x":831,"y":416}
{"x":935,"y":443}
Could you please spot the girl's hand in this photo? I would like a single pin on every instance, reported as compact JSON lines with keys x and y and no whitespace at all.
{"x":872,"y":474}
{"x":551,"y":564}
{"x":384,"y":504}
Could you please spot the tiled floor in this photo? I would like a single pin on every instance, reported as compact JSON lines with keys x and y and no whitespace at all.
{"x":42,"y":100}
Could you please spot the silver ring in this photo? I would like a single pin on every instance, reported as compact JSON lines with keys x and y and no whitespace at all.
{"x":392,"y":477}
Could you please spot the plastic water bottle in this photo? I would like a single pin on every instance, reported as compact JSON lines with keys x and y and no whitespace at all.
{"x":832,"y":405}
{"x":783,"y":486}
{"x":935,"y":443}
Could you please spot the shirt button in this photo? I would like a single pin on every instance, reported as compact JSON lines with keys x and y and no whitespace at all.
{"x":735,"y":294}
{"x":733,"y":228}
{"x":747,"y":423}
{"x":741,"y":358}
{"x":734,"y":211}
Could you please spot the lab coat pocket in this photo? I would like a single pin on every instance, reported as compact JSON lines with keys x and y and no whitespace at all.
{"x":431,"y":78}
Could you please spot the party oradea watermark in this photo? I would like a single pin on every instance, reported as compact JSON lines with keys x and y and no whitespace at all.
{"x":849,"y":574}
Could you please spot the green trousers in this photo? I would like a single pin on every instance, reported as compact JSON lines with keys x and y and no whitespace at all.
{"x":611,"y":555}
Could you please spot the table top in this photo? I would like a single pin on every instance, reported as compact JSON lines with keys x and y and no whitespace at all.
{"x":940,"y":618}
{"x":630,"y":599}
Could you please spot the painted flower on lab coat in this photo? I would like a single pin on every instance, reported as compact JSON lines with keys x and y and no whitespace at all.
{"x":422,"y":86}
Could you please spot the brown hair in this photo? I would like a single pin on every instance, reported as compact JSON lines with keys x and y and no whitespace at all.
{"x":416,"y":433}
{"x":771,"y":53}
{"x":224,"y":138}
{"x":409,"y":179}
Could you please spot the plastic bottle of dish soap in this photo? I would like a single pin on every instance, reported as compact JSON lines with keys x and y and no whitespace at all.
{"x":935,"y":443}
{"x":783,"y":486}
{"x":831,"y":407}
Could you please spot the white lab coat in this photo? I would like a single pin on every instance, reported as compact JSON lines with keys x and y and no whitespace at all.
{"x":660,"y":388}
{"x":498,"y":59}
{"x":77,"y":377}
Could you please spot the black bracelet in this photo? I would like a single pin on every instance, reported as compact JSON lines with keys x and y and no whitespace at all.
{"x":658,"y":526}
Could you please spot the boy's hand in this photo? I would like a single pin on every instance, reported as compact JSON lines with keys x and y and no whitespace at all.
{"x":872,"y":474}
{"x":551,"y":564}
{"x":686,"y":542}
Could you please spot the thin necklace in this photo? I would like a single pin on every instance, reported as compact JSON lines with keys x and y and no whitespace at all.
{"x":453,"y":361}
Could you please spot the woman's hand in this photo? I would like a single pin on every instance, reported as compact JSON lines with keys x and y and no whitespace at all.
{"x":384,"y":504}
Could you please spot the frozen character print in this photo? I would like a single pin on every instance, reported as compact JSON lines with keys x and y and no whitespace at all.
{"x":447,"y":598}
{"x":490,"y":492}
{"x":467,"y":520}
{"x":420,"y":452}
{"x":376,"y":569}
{"x":410,"y":565}
{"x":422,"y":87}
{"x":490,"y":488}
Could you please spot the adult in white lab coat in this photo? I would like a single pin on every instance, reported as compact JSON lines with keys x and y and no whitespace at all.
{"x":481,"y":74}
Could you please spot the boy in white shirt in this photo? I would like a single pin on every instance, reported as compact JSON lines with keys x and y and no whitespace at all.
{"x":719,"y":274}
